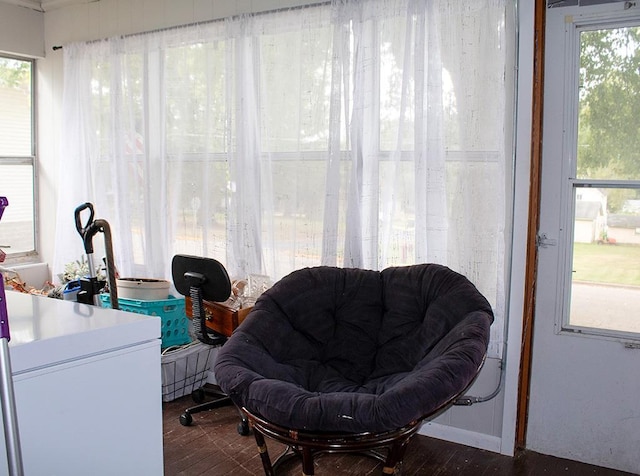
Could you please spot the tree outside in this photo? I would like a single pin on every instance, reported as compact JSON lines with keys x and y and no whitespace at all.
{"x":609,"y":102}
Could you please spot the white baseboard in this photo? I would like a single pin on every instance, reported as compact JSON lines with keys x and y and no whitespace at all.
{"x":460,"y":436}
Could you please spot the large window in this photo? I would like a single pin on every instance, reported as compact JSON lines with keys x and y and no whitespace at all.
{"x":357,"y":134}
{"x":17,"y":156}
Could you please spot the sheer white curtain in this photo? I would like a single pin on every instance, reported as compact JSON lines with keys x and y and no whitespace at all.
{"x":360,"y":133}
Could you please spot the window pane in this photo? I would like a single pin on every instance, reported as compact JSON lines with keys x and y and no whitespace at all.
{"x":298,"y":212}
{"x":605,"y":290}
{"x":15,"y":113}
{"x":296,"y":94}
{"x":400,"y":225}
{"x":609,"y":101}
{"x":200,"y":194}
{"x":16,"y":226}
{"x":196,"y":102}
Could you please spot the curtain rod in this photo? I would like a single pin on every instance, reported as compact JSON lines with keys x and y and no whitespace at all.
{"x":206,"y":22}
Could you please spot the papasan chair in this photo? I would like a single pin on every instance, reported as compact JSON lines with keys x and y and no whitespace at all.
{"x":353,"y":360}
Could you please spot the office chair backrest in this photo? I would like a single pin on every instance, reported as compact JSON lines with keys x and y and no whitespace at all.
{"x":216,"y":285}
{"x":201,"y":279}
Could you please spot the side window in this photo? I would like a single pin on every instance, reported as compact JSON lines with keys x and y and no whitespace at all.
{"x":17,"y":156}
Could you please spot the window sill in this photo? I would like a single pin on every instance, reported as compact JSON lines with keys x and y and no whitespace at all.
{"x":33,"y":274}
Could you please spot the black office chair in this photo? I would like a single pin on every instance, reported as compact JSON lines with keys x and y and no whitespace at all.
{"x":204,"y":279}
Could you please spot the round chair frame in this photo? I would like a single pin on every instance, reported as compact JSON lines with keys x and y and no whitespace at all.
{"x":306,"y":445}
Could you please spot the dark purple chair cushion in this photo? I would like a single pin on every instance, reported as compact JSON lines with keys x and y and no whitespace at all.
{"x":333,"y":349}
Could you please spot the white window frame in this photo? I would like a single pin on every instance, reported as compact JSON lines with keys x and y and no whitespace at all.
{"x":31,"y":160}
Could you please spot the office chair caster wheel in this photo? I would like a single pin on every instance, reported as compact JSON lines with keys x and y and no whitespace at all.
{"x":186,"y":419}
{"x":243,"y":428}
{"x":198,"y":395}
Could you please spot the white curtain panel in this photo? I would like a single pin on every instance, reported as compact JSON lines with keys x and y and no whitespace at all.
{"x":358,"y":134}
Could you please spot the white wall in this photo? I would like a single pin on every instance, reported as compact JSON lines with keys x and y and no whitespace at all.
{"x":21,"y":31}
{"x":489,"y":425}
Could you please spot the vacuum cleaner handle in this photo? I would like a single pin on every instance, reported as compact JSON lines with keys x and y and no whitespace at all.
{"x":90,"y":289}
{"x":88,"y":230}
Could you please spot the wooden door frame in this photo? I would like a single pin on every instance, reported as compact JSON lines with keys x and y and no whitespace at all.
{"x":524,"y":379}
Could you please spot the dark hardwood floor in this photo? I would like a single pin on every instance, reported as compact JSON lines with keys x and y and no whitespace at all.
{"x":211,"y":446}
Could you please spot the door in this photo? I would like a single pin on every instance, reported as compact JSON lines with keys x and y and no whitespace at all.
{"x":585,"y":378}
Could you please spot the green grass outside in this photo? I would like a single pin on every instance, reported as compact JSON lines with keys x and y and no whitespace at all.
{"x":613,"y":264}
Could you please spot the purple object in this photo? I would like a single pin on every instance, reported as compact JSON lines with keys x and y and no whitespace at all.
{"x":4,"y":320}
{"x":7,"y":395}
{"x":3,"y":204}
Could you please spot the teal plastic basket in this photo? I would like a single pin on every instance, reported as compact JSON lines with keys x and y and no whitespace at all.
{"x":175,"y":323}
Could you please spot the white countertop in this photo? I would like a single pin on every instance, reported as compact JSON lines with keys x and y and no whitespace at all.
{"x":46,"y":331}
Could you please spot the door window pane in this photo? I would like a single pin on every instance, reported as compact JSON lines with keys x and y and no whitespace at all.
{"x":609,"y":101}
{"x":605,"y":272}
{"x":605,"y":289}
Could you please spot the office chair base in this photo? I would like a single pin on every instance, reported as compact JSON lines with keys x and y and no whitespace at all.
{"x":220,"y":400}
